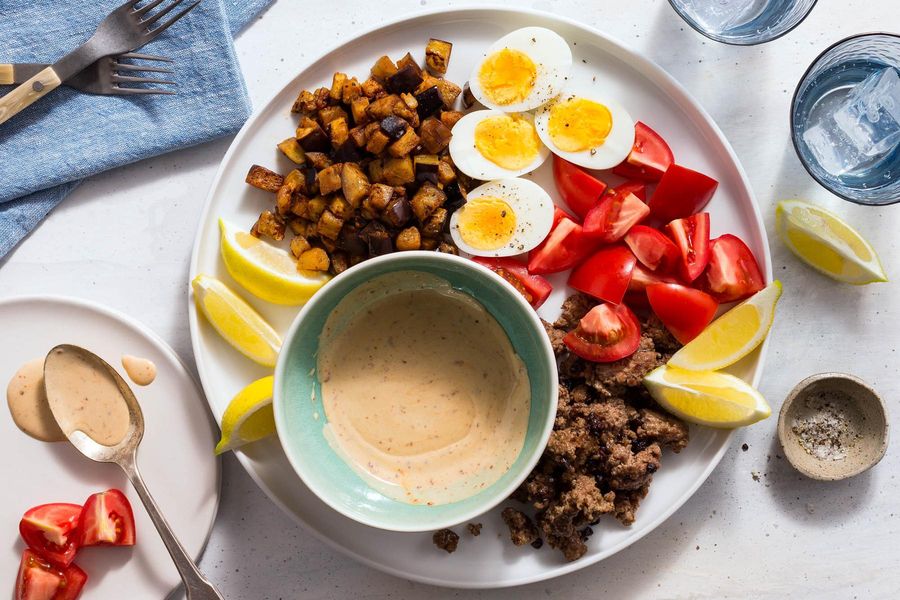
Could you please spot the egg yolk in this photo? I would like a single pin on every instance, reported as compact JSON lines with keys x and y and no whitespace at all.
{"x":508,"y":141}
{"x":578,"y":124}
{"x":486,"y":223}
{"x":507,"y":76}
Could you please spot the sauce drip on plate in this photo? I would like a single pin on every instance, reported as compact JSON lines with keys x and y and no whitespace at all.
{"x":140,"y":370}
{"x":28,"y":406}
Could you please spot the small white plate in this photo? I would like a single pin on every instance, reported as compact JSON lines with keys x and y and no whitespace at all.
{"x":175,"y":457}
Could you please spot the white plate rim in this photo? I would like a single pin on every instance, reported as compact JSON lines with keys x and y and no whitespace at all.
{"x":163,"y":346}
{"x":647,"y":68}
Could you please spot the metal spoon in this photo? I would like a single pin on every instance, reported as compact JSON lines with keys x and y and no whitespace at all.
{"x":124,"y":454}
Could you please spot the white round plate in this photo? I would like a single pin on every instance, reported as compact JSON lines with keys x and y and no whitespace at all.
{"x":175,"y":456}
{"x":649,"y":95}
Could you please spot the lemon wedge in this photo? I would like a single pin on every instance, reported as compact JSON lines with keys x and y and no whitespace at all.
{"x":708,"y":398}
{"x":236,"y":321}
{"x":249,"y":416}
{"x":266,"y":271}
{"x":826,"y":243}
{"x":732,"y":336}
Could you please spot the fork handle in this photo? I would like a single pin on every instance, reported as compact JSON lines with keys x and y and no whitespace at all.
{"x":28,"y":93}
{"x":6,"y":75}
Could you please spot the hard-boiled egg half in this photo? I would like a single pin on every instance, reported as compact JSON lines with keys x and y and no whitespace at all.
{"x":502,"y":218}
{"x":586,"y":128}
{"x":522,"y":70}
{"x":489,"y":144}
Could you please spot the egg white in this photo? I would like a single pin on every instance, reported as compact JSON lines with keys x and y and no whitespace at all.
{"x":470,"y":161}
{"x":549,"y":52}
{"x":530,"y":203}
{"x":612,"y":151}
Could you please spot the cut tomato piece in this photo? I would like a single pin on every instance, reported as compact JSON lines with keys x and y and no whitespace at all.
{"x":564,"y":247}
{"x":653,"y":249}
{"x":534,"y":288}
{"x":107,"y":520}
{"x":611,"y":219}
{"x":637,"y":188}
{"x":51,"y":530}
{"x":606,"y":333}
{"x":606,"y":274}
{"x":579,"y":189}
{"x":641,"y":279}
{"x":684,"y":311}
{"x":40,"y":580}
{"x":680,"y":193}
{"x":691,"y":235}
{"x":733,"y":273}
{"x":649,"y":158}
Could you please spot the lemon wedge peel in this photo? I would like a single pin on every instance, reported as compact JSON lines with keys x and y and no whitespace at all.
{"x":827,"y":243}
{"x":733,"y":335}
{"x":236,"y":321}
{"x":266,"y":271}
{"x":709,"y":398}
{"x":249,"y":416}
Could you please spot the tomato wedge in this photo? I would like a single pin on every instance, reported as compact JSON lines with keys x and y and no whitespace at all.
{"x":611,"y":219}
{"x":534,"y":288}
{"x":606,"y":333}
{"x":733,"y":273}
{"x":630,"y":187}
{"x":642,"y":278}
{"x":579,"y":189}
{"x":565,"y":246}
{"x":681,"y":192}
{"x":107,"y":520}
{"x":653,"y":249}
{"x":51,"y":530}
{"x":606,"y":274}
{"x":649,"y":158}
{"x":39,"y":580}
{"x":691,"y":235}
{"x":684,"y":311}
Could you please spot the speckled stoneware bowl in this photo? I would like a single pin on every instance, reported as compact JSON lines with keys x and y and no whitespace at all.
{"x":300,"y":416}
{"x":866,"y":437}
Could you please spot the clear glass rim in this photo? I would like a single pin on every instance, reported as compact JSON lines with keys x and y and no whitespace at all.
{"x":732,"y":42}
{"x":794,"y":138}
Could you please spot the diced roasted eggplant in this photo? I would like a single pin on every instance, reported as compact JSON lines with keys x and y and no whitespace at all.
{"x":426,"y":200}
{"x":299,"y":245}
{"x":383,"y":107}
{"x":329,"y":225}
{"x":377,"y":239}
{"x":348,"y":151}
{"x":284,"y":195}
{"x":339,"y":132}
{"x":264,"y":179}
{"x":340,"y":208}
{"x":409,"y":239}
{"x":354,"y":184}
{"x":358,"y":110}
{"x":447,"y":248}
{"x":271,"y":225}
{"x":446,"y":174}
{"x":406,"y":79}
{"x":372,"y":89}
{"x":351,"y":90}
{"x":330,"y":179}
{"x":383,"y":68}
{"x":394,"y":126}
{"x":349,"y":239}
{"x":437,"y":56}
{"x":331,"y":113}
{"x":468,"y":98}
{"x":292,"y":150}
{"x":436,"y":223}
{"x":456,"y":196}
{"x":313,"y":138}
{"x":337,"y":86}
{"x":380,"y":195}
{"x":435,"y":135}
{"x":430,"y":243}
{"x":406,"y":144}
{"x":449,"y":92}
{"x":378,"y":141}
{"x":340,"y":262}
{"x":398,"y":171}
{"x":358,"y":135}
{"x":314,"y":259}
{"x":376,"y":170}
{"x":450,"y":117}
{"x":430,"y":102}
{"x":426,"y":166}
{"x":409,"y":61}
{"x":397,"y":213}
{"x":318,"y":160}
{"x":315,"y":207}
{"x":303,"y":227}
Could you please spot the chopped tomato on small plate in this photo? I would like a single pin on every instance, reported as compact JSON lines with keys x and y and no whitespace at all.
{"x":605,"y":334}
{"x":649,"y":158}
{"x":39,"y":580}
{"x":733,"y":273}
{"x":611,"y":219}
{"x":606,"y":274}
{"x":691,"y":236}
{"x":681,"y":192}
{"x":653,"y":249}
{"x":579,"y":189}
{"x":51,"y":530}
{"x":534,"y":288}
{"x":107,"y":520}
{"x":565,"y":246}
{"x":684,"y":311}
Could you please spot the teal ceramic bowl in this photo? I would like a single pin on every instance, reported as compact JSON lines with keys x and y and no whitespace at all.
{"x":300,"y":416}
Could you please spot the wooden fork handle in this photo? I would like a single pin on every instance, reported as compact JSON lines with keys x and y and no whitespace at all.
{"x":28,"y":93}
{"x":6,"y":74}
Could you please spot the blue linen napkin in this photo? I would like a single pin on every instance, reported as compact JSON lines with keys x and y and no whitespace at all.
{"x":49,"y":147}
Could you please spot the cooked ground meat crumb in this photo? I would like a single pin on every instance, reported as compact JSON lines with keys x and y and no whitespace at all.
{"x":521,"y":528}
{"x":474,"y":529}
{"x":445,"y":539}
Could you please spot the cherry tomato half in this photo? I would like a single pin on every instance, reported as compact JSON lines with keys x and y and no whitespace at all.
{"x":691,"y":235}
{"x":605,"y":334}
{"x":733,"y":273}
{"x":579,"y":189}
{"x":534,"y":288}
{"x":681,"y":192}
{"x":107,"y":520}
{"x":51,"y":530}
{"x":684,"y":311}
{"x":606,"y":274}
{"x":649,"y":158}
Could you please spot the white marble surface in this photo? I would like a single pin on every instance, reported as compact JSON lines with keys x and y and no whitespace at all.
{"x":124,"y":239}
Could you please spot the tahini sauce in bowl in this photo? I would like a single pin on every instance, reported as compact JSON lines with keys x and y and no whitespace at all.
{"x":424,"y":395}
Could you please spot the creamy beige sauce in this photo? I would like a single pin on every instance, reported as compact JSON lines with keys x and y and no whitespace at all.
{"x":139,"y":370}
{"x":424,"y":394}
{"x":28,"y":406}
{"x":85,"y":398}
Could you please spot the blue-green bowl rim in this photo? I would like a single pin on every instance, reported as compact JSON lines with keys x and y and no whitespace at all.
{"x":517,"y":299}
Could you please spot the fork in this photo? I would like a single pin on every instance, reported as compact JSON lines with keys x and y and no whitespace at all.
{"x":125,"y":29}
{"x":102,"y":77}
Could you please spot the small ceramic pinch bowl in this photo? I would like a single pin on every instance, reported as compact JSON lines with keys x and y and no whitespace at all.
{"x":833,"y":426}
{"x":300,"y":416}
